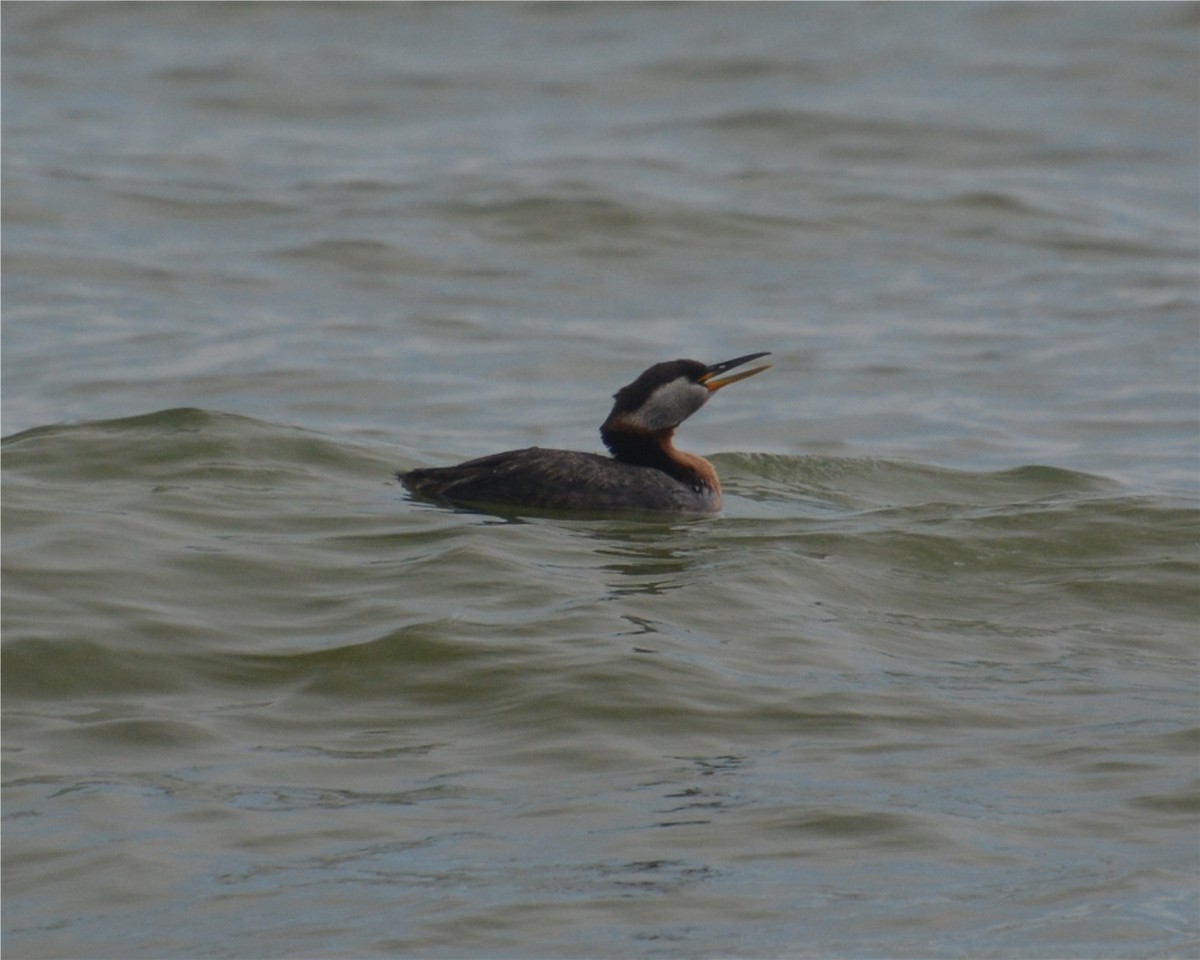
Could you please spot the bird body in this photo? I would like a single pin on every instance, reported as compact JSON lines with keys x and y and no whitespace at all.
{"x":646,"y":472}
{"x":567,"y":480}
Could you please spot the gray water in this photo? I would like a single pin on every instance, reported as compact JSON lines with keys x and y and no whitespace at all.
{"x":928,"y":687}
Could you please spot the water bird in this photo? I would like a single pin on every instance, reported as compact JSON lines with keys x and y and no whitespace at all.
{"x":646,"y":472}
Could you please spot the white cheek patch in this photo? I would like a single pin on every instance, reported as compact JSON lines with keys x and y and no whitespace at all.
{"x":671,"y":404}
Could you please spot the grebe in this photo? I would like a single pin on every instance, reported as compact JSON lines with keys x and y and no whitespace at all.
{"x":645,"y":473}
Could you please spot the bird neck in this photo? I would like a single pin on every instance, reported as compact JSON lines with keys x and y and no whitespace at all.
{"x":655,"y":449}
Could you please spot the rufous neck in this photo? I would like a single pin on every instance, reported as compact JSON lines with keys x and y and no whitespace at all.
{"x":656,"y":450}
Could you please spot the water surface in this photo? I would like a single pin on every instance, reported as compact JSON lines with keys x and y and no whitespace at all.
{"x":927,"y":687}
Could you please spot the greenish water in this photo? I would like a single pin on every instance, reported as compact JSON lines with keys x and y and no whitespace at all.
{"x":928,"y":688}
{"x":249,"y":685}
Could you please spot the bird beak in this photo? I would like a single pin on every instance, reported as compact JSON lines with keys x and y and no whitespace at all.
{"x":707,"y":377}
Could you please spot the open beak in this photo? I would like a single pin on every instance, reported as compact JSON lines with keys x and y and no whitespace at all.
{"x":707,"y":377}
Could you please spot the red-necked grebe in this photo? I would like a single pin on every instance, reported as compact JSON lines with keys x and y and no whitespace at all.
{"x":645,"y":472}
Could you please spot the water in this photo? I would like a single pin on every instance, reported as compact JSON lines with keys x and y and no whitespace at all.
{"x":927,"y":688}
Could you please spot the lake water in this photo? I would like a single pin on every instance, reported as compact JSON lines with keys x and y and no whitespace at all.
{"x":927,"y":688}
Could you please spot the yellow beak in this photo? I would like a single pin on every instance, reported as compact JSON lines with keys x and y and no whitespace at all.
{"x":707,"y":377}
